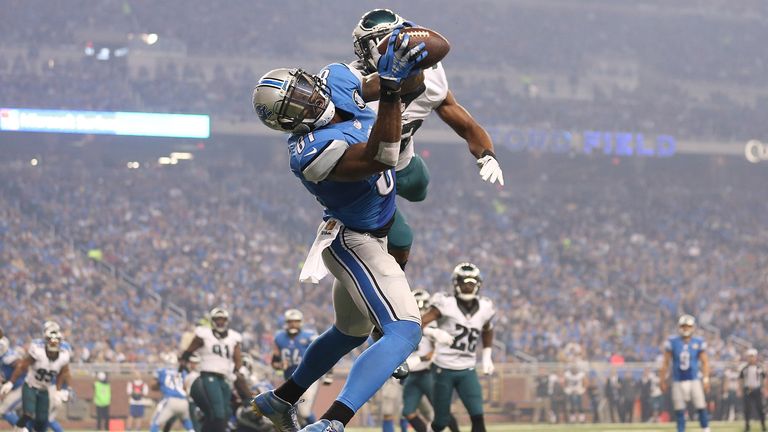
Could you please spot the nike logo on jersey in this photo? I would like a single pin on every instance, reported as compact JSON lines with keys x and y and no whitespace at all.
{"x":311,"y":152}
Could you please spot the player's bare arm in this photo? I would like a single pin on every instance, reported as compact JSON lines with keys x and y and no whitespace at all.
{"x":704,"y":358}
{"x":465,"y":126}
{"x":487,"y":336}
{"x":277,"y":359}
{"x":64,"y":377}
{"x":241,"y":385}
{"x":663,"y":383}
{"x":432,"y":314}
{"x":21,"y":367}
{"x":194,"y":345}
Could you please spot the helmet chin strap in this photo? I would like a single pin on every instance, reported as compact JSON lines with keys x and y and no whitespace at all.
{"x":292,"y":331}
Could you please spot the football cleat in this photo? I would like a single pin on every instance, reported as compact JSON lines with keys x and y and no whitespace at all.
{"x":281,"y":413}
{"x":325,"y":426}
{"x":402,"y":371}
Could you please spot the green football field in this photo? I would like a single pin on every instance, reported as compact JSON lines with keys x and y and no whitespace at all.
{"x":636,"y":427}
{"x":615,"y":427}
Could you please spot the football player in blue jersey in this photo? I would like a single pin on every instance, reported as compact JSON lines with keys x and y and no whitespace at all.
{"x":344,"y":154}
{"x":8,"y":360}
{"x":289,"y":348}
{"x":174,"y":403}
{"x":690,"y":372}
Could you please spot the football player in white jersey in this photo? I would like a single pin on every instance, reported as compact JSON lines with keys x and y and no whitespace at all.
{"x":46,"y":363}
{"x":412,"y":176}
{"x":575,"y":387}
{"x":220,"y":356}
{"x":462,"y":319}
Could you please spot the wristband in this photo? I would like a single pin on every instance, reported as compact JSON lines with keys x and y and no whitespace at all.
{"x":487,"y":152}
{"x":389,"y":90}
{"x":186,"y":355}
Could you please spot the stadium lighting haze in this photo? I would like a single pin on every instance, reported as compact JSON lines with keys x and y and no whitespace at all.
{"x":105,"y":123}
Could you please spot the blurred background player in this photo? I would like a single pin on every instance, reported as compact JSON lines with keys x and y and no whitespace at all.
{"x":419,"y":384}
{"x":343,"y":153}
{"x":9,"y":358}
{"x":170,"y":382}
{"x":465,"y":317}
{"x":575,"y":387}
{"x":102,"y":400}
{"x":46,"y":363}
{"x":687,"y":355}
{"x":289,"y":347}
{"x":433,"y":95}
{"x":220,"y":356}
{"x":752,"y":377}
{"x":137,"y":390}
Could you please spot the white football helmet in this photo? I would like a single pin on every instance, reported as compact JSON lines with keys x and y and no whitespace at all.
{"x":422,"y":299}
{"x":219,"y":319}
{"x":51,"y":325}
{"x":466,"y":281}
{"x":52,"y":338}
{"x":291,"y":100}
{"x":372,"y":28}
{"x":685,"y":325}
{"x":293,"y":319}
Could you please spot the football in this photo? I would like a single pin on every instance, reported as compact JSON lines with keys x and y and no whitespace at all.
{"x":437,"y":46}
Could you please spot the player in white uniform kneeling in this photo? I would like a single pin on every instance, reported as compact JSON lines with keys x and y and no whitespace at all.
{"x":220,"y":357}
{"x":461,"y":318}
{"x":46,"y":364}
{"x":690,"y":372}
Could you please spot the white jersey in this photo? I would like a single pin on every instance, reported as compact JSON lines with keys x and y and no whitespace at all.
{"x":464,"y":326}
{"x":44,"y":371}
{"x":417,"y":109}
{"x":217,"y":354}
{"x":574,"y":382}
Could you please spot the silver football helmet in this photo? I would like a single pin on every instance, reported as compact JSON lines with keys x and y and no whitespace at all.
{"x":372,"y":28}
{"x":291,"y":100}
{"x":293,"y":320}
{"x":685,"y":325}
{"x":219,"y":319}
{"x":466,"y":281}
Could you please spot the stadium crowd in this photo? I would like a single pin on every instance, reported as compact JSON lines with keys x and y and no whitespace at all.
{"x":591,"y":251}
{"x":619,"y":76}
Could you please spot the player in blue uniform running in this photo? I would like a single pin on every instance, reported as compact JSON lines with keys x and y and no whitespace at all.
{"x":690,"y":372}
{"x":290,"y":345}
{"x":174,"y":403}
{"x":344,"y":154}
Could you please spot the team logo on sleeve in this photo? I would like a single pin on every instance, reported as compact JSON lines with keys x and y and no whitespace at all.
{"x":358,"y":99}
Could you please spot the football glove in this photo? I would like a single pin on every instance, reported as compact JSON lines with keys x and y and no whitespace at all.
{"x":399,"y":63}
{"x":438,"y":335}
{"x":488,"y":367}
{"x":6,"y":388}
{"x":490,"y":170}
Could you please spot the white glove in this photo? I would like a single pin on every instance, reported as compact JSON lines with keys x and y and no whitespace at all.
{"x":488,"y":367}
{"x":63,"y":395}
{"x":413,"y":360}
{"x":6,"y":388}
{"x":438,"y":335}
{"x":490,"y":170}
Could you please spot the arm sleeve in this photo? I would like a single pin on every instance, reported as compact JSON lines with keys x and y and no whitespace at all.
{"x":318,"y":161}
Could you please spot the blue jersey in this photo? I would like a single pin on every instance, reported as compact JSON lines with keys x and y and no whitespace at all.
{"x":365,"y":205}
{"x":171,"y":383}
{"x":7,"y":366}
{"x":685,"y":357}
{"x":292,"y":348}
